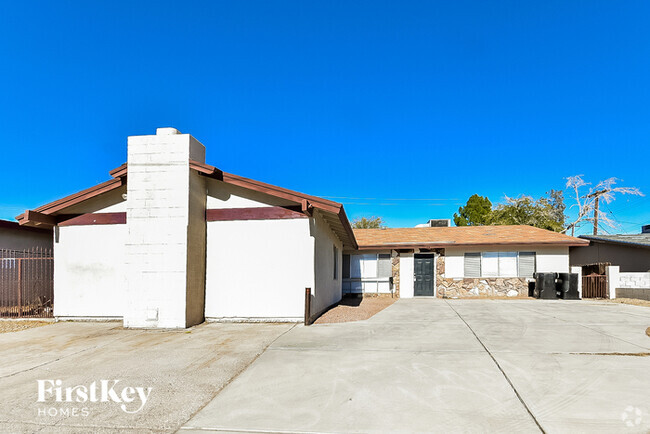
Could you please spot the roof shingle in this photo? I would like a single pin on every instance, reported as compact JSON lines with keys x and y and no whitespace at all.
{"x":461,"y":236}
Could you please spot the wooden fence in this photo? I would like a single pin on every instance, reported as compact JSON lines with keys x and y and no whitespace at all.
{"x":26,"y":283}
{"x":594,"y":286}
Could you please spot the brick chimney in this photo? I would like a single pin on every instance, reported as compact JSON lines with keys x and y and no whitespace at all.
{"x":165,"y":249}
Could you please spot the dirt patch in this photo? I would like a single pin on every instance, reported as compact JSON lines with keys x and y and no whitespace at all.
{"x":647,"y":331}
{"x":7,"y":326}
{"x":634,"y":301}
{"x":355,"y":309}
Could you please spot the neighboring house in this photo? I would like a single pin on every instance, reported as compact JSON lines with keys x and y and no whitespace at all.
{"x":631,"y":252}
{"x":16,"y":237}
{"x":170,"y":241}
{"x":454,"y":261}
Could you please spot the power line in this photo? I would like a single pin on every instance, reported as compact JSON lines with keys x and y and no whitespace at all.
{"x":381,"y":198}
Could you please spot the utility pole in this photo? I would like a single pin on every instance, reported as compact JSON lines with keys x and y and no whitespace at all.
{"x":596,"y":195}
{"x":596,"y":216}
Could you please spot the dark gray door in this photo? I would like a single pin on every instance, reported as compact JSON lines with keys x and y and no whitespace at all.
{"x":423,"y":275}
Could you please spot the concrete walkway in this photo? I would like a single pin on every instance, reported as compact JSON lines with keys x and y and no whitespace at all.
{"x":448,"y":366}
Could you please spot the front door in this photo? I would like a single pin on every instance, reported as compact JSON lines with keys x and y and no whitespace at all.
{"x":423,"y":275}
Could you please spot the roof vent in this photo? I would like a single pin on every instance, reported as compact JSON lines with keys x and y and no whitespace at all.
{"x":436,"y":223}
{"x":166,"y":131}
{"x":645,"y":229}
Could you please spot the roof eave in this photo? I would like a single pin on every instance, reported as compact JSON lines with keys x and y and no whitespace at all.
{"x":448,"y":245}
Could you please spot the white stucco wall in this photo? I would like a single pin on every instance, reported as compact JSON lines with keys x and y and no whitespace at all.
{"x":406,"y":264}
{"x":112,"y":201}
{"x":222,"y":195}
{"x":326,"y":290}
{"x":258,"y":268}
{"x":549,"y":259}
{"x":88,"y":271}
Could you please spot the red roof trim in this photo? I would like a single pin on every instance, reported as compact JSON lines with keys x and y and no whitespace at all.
{"x":206,"y":169}
{"x":118,"y":172}
{"x":76,"y":198}
{"x":98,"y":218}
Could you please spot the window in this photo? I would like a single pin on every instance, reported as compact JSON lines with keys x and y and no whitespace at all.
{"x":472,"y":265}
{"x":368,"y":266}
{"x":346,"y":266}
{"x":508,"y":264}
{"x":527,"y":264}
{"x":384,"y":265}
{"x":490,"y":264}
{"x":499,"y":264}
{"x":336,"y":262}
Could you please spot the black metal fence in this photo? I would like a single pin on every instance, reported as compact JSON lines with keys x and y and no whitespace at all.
{"x":26,"y":283}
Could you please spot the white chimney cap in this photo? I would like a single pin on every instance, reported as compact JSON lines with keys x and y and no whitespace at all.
{"x":166,"y":131}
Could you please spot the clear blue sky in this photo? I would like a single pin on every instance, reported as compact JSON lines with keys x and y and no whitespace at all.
{"x":387,"y":100}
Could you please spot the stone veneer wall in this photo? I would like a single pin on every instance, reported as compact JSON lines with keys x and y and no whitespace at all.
{"x":395,"y":264}
{"x":484,"y":287}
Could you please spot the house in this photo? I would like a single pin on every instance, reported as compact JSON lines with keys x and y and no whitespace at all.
{"x":15,"y":237}
{"x":454,"y":261}
{"x":170,"y":241}
{"x":629,"y":251}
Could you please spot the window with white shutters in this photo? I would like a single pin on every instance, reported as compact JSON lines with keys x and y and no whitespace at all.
{"x":527,"y":264}
{"x":472,"y":265}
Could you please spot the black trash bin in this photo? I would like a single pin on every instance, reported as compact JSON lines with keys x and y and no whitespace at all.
{"x":545,"y":286}
{"x":531,"y":288}
{"x":572,"y":293}
{"x":562,"y":284}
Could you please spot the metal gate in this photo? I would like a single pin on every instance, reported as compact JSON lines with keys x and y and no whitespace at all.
{"x":594,"y":286}
{"x":26,"y":283}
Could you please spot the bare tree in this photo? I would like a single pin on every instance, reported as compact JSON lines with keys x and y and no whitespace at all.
{"x":588,"y":206}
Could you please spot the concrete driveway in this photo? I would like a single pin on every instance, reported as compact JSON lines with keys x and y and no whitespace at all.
{"x":184,"y":368}
{"x":458,"y":365}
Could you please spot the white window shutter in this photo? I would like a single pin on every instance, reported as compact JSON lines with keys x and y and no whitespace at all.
{"x":472,"y":265}
{"x":384,"y":266}
{"x":527,"y":264}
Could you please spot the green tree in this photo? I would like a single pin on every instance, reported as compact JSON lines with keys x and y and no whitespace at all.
{"x":544,"y":213}
{"x":368,"y":223}
{"x":475,"y":212}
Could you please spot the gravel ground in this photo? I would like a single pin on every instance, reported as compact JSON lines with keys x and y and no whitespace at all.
{"x":7,"y":326}
{"x":355,"y":309}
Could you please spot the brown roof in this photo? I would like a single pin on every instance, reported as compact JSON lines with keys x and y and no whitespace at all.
{"x":394,"y":238}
